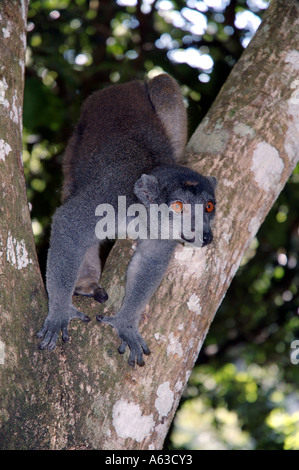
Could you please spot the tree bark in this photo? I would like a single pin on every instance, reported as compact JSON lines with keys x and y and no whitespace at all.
{"x":84,"y":395}
{"x":22,"y":295}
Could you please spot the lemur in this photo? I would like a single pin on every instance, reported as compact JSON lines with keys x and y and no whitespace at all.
{"x":128,"y":142}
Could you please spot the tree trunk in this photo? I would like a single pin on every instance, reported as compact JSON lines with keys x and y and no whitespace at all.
{"x":83,"y":394}
{"x":22,"y":295}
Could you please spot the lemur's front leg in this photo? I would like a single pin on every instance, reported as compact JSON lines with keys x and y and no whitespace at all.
{"x":145,"y":273}
{"x":70,"y":239}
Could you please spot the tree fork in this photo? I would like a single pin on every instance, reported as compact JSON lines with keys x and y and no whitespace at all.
{"x":83,"y":395}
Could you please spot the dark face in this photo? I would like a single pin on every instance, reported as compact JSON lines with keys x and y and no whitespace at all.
{"x":194,"y":203}
{"x":189,"y":200}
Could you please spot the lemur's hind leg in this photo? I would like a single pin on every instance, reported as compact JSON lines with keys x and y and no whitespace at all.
{"x":89,"y":274}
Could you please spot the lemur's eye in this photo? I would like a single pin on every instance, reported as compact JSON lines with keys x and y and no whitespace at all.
{"x":209,"y":206}
{"x":177,"y":206}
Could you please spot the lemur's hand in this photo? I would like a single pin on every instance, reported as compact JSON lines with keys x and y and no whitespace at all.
{"x":56,"y":322}
{"x":130,"y":336}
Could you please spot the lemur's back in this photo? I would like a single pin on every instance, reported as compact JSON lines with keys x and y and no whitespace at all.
{"x":117,"y":126}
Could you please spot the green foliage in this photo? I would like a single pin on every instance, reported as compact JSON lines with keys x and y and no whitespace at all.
{"x":242,"y":394}
{"x":239,"y":406}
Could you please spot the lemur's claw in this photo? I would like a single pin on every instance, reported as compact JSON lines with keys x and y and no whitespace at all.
{"x":54,"y":324}
{"x":130,"y":337}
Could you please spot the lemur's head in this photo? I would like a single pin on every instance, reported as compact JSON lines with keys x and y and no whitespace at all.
{"x":182,"y":203}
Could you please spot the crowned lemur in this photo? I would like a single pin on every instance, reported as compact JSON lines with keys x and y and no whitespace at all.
{"x":127,"y":143}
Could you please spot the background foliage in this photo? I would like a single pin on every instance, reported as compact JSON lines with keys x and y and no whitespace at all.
{"x":243,"y":391}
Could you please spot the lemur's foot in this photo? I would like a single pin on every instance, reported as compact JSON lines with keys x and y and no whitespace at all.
{"x":129,"y":336}
{"x":93,"y":290}
{"x":100,"y":295}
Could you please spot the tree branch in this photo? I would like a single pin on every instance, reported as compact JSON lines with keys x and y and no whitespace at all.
{"x":84,"y":395}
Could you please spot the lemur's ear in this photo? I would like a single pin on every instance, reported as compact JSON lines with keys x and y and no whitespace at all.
{"x":213,"y":181}
{"x":147,"y":189}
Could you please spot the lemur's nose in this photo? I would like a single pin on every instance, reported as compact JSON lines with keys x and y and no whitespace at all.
{"x":207,"y":238}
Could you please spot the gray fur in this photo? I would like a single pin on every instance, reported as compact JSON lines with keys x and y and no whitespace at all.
{"x":127,"y":143}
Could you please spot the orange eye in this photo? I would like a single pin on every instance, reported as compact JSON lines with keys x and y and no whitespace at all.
{"x":177,"y":206}
{"x":209,"y":206}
